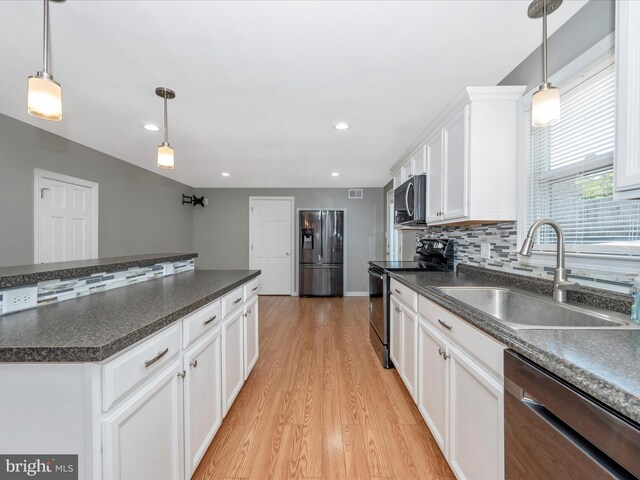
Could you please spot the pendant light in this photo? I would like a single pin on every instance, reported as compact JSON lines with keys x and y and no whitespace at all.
{"x":44,"y":98}
{"x":545,"y":103}
{"x":165,"y":152}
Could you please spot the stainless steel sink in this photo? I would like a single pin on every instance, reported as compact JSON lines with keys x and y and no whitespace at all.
{"x":520,"y":310}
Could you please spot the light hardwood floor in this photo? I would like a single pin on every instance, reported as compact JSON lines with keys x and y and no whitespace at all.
{"x":318,"y":404}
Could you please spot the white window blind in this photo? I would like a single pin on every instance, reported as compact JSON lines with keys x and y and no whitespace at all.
{"x":570,"y":172}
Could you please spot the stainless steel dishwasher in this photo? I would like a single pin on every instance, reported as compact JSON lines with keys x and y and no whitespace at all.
{"x":554,"y":431}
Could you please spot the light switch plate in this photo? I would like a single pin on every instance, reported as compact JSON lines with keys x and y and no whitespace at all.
{"x":485,"y":250}
{"x":18,"y":299}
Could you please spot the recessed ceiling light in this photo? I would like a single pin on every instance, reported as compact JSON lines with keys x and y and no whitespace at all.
{"x":341,"y":126}
{"x":151,"y":127}
{"x":335,"y":174}
{"x":225,"y":174}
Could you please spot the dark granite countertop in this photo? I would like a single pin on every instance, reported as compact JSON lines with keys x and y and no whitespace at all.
{"x":92,"y":328}
{"x":605,"y":364}
{"x":30,"y":274}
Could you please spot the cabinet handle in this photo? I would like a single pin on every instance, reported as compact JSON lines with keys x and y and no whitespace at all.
{"x":445,"y":356}
{"x":207,"y":322}
{"x":161,"y":354}
{"x":245,"y":314}
{"x":397,"y":309}
{"x":249,"y":311}
{"x":445,"y":325}
{"x":254,"y":289}
{"x":182,"y":374}
{"x":398,"y":291}
{"x":237,"y":301}
{"x":193,"y":364}
{"x":440,"y":351}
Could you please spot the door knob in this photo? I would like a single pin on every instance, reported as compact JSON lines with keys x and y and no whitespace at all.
{"x":287,"y":253}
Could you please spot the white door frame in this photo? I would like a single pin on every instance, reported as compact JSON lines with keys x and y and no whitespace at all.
{"x":38,"y":174}
{"x":293,"y":235}
{"x":391,"y":234}
{"x":344,"y":249}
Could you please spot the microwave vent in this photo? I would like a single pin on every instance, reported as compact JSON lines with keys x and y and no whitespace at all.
{"x":356,"y":194}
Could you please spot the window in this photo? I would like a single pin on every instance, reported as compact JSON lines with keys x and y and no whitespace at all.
{"x":569,"y":172}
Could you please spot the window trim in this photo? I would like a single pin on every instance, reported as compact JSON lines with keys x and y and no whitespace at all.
{"x":587,"y":261}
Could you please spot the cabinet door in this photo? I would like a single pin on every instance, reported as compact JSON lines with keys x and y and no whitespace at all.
{"x":432,"y":382}
{"x":142,"y":439}
{"x":419,"y":159}
{"x":434,"y":178}
{"x":406,"y":171}
{"x":476,"y":440}
{"x":395,"y":314}
{"x":251,"y":339}
{"x":202,"y":397}
{"x":455,"y":137}
{"x":232,"y":358}
{"x":397,"y":179}
{"x":627,"y":153}
{"x":409,"y":349}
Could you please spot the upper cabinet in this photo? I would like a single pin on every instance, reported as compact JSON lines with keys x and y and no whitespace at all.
{"x":627,"y":150}
{"x":469,"y":154}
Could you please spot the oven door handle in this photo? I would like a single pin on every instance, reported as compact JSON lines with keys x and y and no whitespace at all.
{"x":376,"y":274}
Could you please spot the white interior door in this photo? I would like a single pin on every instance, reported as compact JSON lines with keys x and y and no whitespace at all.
{"x":66,"y":218}
{"x":271,"y":244}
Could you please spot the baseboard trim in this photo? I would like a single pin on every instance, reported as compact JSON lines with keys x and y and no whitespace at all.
{"x":356,"y":294}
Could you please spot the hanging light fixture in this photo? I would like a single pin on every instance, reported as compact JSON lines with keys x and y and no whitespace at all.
{"x":545,"y":103}
{"x":44,"y":98}
{"x":165,"y":152}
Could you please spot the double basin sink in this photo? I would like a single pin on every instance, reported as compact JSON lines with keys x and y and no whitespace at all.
{"x":521,"y":311}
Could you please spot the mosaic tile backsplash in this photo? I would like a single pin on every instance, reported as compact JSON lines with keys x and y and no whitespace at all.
{"x":502,"y":238}
{"x":53,"y":291}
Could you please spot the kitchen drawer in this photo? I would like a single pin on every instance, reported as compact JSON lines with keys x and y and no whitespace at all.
{"x":469,"y":338}
{"x":231,"y":301}
{"x":404,"y":294}
{"x":125,"y":372}
{"x":252,"y":288}
{"x":199,"y":322}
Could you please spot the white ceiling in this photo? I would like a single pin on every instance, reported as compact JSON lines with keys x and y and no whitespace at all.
{"x":260,"y":84}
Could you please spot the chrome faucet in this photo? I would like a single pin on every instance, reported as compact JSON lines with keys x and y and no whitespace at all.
{"x":560,"y":282}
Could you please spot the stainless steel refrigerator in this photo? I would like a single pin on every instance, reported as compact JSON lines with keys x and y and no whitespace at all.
{"x":321,"y":253}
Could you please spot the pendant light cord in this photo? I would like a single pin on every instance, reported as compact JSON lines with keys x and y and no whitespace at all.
{"x":166,"y":121}
{"x":45,"y":37}
{"x":544,"y":40}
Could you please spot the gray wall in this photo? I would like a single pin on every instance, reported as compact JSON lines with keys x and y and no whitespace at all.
{"x":139,"y":211}
{"x":221,"y":230}
{"x":587,"y":27}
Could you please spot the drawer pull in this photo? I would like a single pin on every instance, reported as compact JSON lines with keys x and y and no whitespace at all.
{"x":207,"y":322}
{"x":254,"y":289}
{"x":193,"y":364}
{"x":161,"y":354}
{"x":445,"y":325}
{"x":182,"y":374}
{"x":398,"y":291}
{"x":237,"y":301}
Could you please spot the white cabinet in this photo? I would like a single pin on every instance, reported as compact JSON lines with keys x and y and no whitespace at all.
{"x":455,"y":135}
{"x":476,"y":417}
{"x":395,"y":332}
{"x":406,"y":171}
{"x":471,"y":152}
{"x":419,"y":161}
{"x":433,"y":389}
{"x":232,"y":358}
{"x":627,"y":148}
{"x":202,"y":397}
{"x":142,"y":439}
{"x":434,"y":178}
{"x":409,"y":348}
{"x":251,"y":335}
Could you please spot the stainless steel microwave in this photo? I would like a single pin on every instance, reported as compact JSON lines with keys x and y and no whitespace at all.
{"x":410,"y":202}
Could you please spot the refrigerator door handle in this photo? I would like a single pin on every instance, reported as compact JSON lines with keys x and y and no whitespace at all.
{"x":322,"y":235}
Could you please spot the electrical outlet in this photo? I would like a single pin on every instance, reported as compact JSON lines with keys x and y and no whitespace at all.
{"x":485,"y":250}
{"x":168,"y":269}
{"x":18,"y":299}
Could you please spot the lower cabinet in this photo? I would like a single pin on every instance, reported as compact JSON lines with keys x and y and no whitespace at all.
{"x":395,"y":332}
{"x":202,"y":397}
{"x":142,"y":438}
{"x":409,"y":349}
{"x":232,"y":358}
{"x":433,"y":391}
{"x":476,"y":443}
{"x":251,"y":337}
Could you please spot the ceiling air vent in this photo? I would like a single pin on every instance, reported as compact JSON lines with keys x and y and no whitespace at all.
{"x":355,"y":193}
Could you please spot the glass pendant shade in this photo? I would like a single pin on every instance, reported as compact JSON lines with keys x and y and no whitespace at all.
{"x":545,"y":106}
{"x":165,"y":156}
{"x":44,"y":99}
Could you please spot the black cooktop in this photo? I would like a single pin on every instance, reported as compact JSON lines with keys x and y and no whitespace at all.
{"x":407,"y":266}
